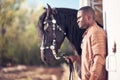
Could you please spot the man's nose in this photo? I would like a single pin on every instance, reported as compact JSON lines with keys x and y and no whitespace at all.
{"x":78,"y":21}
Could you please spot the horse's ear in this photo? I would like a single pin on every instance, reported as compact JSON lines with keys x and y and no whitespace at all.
{"x":49,"y":8}
{"x":54,"y":11}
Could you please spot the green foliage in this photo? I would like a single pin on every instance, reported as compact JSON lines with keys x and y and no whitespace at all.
{"x":18,"y":36}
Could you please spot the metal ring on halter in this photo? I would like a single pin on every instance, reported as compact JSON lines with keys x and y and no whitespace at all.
{"x":54,"y":21}
{"x":52,"y":47}
{"x":42,"y":48}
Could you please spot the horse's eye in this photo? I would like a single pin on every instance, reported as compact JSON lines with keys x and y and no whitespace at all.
{"x":48,"y":30}
{"x":46,"y":26}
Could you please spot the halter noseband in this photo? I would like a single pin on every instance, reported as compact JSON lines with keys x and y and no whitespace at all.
{"x":52,"y":46}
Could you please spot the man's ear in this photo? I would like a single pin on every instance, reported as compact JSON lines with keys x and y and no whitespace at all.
{"x":89,"y":17}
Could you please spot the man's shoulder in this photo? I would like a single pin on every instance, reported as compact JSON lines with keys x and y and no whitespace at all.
{"x":96,"y":29}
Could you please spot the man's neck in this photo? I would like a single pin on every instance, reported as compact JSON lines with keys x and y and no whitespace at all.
{"x":92,"y":23}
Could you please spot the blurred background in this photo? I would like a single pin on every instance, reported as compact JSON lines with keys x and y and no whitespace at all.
{"x":19,"y":48}
{"x":18,"y":35}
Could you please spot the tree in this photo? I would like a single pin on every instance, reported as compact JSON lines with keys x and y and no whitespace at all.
{"x":18,"y":36}
{"x":7,"y":15}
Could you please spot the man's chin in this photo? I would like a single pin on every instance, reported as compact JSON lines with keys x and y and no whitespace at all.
{"x":81,"y":27}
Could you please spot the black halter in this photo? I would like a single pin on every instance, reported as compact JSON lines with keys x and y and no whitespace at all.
{"x":52,"y":46}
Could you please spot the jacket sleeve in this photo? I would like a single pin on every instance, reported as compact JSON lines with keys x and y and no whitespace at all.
{"x":98,"y":43}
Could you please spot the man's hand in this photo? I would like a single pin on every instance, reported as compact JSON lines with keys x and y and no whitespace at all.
{"x":93,"y":77}
{"x":73,"y":58}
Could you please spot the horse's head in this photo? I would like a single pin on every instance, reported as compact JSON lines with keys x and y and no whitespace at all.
{"x":52,"y":36}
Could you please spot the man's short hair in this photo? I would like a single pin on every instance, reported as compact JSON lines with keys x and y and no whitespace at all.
{"x":88,"y":10}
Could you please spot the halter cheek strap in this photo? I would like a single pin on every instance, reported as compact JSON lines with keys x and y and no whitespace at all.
{"x":52,"y":47}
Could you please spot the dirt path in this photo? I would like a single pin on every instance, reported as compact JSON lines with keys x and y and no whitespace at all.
{"x":30,"y":73}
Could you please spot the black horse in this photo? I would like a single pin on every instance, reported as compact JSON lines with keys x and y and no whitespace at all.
{"x":53,"y":26}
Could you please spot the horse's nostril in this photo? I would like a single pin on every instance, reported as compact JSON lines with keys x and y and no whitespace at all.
{"x":45,"y":59}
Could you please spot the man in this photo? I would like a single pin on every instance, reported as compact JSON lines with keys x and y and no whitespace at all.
{"x":93,"y":46}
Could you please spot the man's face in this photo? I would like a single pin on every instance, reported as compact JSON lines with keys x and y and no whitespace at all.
{"x":82,"y":20}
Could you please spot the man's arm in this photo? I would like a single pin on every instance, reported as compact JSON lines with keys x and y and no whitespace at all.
{"x":98,"y":43}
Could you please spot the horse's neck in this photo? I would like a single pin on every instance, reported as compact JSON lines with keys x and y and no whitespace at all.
{"x":73,"y":33}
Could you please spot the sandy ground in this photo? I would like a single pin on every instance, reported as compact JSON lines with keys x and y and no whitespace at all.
{"x":22,"y":72}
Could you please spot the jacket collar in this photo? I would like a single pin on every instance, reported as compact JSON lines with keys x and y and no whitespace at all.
{"x":88,"y":30}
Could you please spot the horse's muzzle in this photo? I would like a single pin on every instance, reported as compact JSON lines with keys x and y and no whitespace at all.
{"x":47,"y":57}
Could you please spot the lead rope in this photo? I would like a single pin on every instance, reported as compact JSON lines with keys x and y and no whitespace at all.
{"x":71,"y":68}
